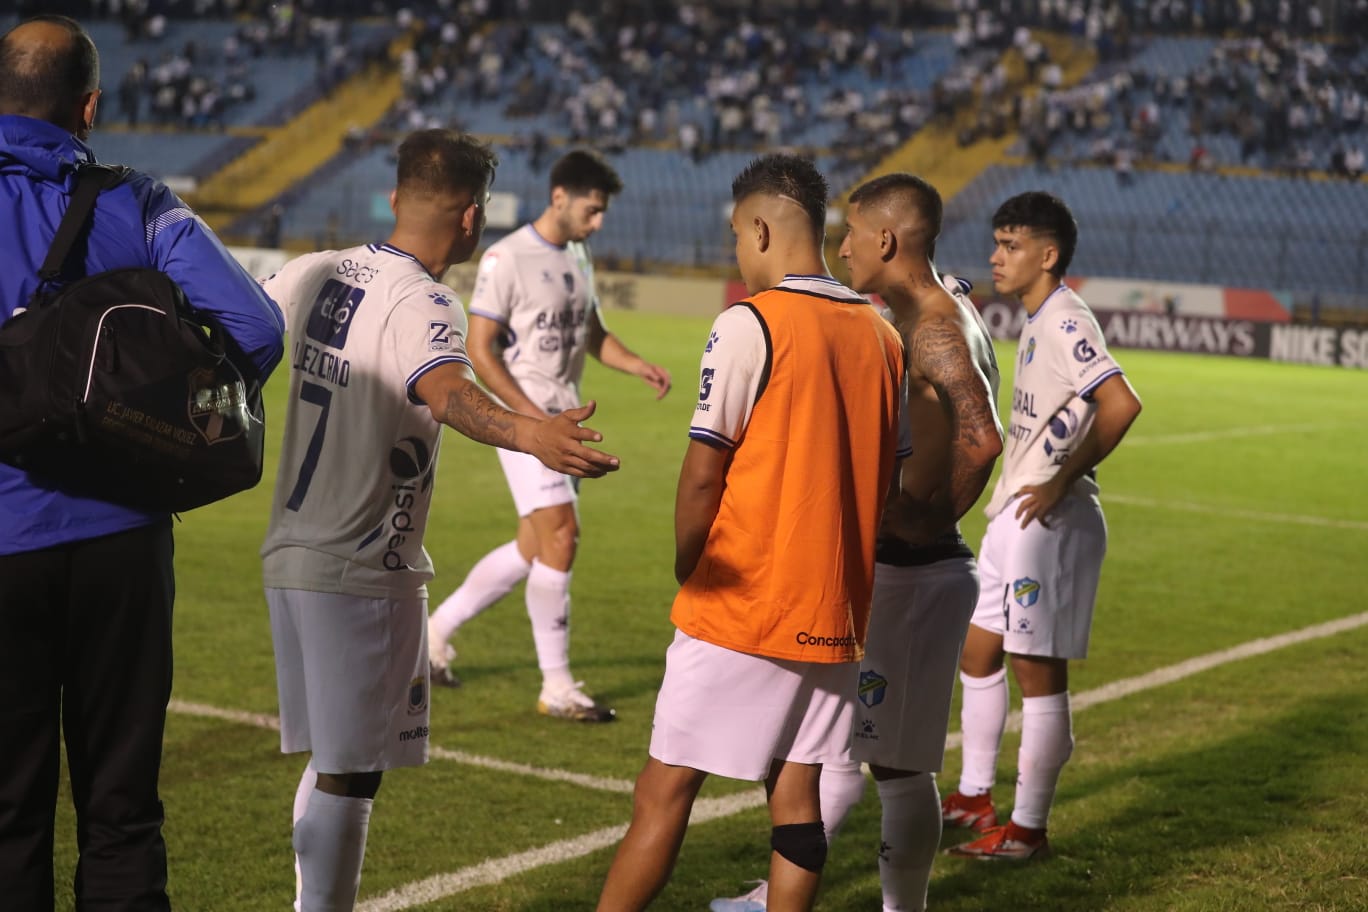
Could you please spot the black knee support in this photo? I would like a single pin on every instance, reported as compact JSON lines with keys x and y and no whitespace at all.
{"x":804,"y":844}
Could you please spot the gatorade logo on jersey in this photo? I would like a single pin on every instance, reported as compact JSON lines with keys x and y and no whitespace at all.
{"x":1084,"y":352}
{"x":1026,"y":591}
{"x":873,"y":688}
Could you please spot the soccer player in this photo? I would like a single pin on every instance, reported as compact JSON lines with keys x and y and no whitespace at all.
{"x":377,"y":365}
{"x":925,"y":580}
{"x":779,"y":499}
{"x":1042,"y":552}
{"x":533,"y":317}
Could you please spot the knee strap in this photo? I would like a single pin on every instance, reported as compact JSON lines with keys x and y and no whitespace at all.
{"x":804,"y":844}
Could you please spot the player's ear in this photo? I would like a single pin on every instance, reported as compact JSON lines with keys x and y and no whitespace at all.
{"x":1049,"y":257}
{"x":394,"y":201}
{"x":761,"y":231}
{"x":888,"y":244}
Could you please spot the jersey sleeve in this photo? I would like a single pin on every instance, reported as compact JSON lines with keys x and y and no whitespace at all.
{"x":283,"y":285}
{"x":495,"y":286}
{"x":1081,"y":357}
{"x":428,"y":329}
{"x":734,"y":361}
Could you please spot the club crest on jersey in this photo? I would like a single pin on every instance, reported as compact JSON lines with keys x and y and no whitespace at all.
{"x":1030,"y":351}
{"x":569,"y":282}
{"x":417,"y":696}
{"x":873,"y":688}
{"x":1084,"y":352}
{"x":1026,"y":591}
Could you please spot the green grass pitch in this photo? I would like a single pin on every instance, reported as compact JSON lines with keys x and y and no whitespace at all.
{"x":1238,"y":509}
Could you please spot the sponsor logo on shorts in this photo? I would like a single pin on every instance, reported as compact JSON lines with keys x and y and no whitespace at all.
{"x":873,"y":688}
{"x":1026,"y":591}
{"x":417,"y":733}
{"x":1022,"y":627}
{"x":417,"y":696}
{"x":867,"y":730}
{"x":811,"y":639}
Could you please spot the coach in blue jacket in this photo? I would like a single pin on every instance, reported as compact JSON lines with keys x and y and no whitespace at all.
{"x":86,"y":587}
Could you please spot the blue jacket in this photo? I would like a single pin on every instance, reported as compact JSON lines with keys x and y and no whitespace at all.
{"x":138,"y":223}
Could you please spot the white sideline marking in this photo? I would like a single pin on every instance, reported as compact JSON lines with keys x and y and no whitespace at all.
{"x":495,"y":870}
{"x":1236,"y":513}
{"x":260,"y":720}
{"x":1189,"y":667}
{"x":1258,"y":430}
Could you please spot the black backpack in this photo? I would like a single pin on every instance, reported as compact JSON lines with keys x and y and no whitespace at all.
{"x":113,"y":387}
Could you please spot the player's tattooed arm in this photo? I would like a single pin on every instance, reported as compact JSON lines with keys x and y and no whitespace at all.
{"x":456,"y":400}
{"x":939,"y":351}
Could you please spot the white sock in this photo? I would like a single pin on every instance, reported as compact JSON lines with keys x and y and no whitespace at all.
{"x":301,"y":806}
{"x":1046,"y":743}
{"x":548,"y":608}
{"x":910,"y":837}
{"x":330,"y":843}
{"x":983,"y":716}
{"x":492,"y":577}
{"x":842,"y":786}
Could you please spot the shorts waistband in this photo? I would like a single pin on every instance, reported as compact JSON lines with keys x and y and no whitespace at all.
{"x":897,"y":553}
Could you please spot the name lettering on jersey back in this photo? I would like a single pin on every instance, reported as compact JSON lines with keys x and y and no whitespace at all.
{"x":1023,"y":403}
{"x":317,"y":362}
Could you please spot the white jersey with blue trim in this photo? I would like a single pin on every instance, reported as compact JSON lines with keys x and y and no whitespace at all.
{"x":360,"y":451}
{"x":735,"y":359}
{"x":543,"y":297}
{"x":1061,"y":358}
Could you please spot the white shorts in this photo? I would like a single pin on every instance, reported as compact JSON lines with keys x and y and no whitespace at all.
{"x":916,"y":633}
{"x":733,"y":714}
{"x":1038,"y":586}
{"x":352,"y":673}
{"x":533,"y":485}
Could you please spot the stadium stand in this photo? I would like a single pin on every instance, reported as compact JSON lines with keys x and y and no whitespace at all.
{"x":1196,"y":140}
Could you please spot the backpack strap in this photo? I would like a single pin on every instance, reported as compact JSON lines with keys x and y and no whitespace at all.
{"x":90,"y":180}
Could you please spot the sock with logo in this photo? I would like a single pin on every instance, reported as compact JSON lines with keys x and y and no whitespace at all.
{"x":330,"y":844}
{"x":910,"y":837}
{"x":548,"y":608}
{"x":1046,"y":744}
{"x":492,"y":577}
{"x":983,"y":717}
{"x":301,"y":806}
{"x":841,"y":786}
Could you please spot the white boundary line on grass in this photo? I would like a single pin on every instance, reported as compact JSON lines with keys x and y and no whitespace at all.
{"x":495,"y":870}
{"x":261,"y":720}
{"x":1184,"y":506}
{"x":1258,"y":430}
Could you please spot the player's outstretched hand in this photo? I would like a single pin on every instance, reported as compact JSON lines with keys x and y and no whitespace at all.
{"x":657,"y":378}
{"x":559,"y":443}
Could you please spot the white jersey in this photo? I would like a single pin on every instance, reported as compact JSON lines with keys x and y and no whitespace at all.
{"x":360,"y":451}
{"x":543,"y":296}
{"x":1061,"y":358}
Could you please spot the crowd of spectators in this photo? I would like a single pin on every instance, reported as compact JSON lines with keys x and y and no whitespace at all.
{"x":1270,"y":100}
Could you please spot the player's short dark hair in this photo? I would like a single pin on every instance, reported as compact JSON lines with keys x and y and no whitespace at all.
{"x":1046,"y":214}
{"x":46,"y":82}
{"x":583,"y":171}
{"x":908,"y":191}
{"x":445,"y":161}
{"x":790,"y":176}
